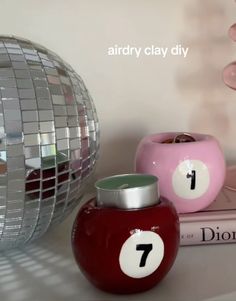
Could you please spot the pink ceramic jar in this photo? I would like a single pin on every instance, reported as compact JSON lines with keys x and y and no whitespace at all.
{"x":190,"y":174}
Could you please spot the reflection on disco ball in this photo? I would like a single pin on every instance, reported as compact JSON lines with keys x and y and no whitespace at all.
{"x":48,"y":140}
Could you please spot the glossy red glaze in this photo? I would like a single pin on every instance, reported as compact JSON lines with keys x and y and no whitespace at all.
{"x":99,"y":233}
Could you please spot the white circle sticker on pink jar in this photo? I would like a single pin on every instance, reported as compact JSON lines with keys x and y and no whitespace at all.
{"x":141,"y":254}
{"x":191,"y":179}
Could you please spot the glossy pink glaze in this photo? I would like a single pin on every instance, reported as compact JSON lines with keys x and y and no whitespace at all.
{"x":161,"y":160}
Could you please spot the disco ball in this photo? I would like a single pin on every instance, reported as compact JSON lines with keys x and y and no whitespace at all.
{"x":48,"y":140}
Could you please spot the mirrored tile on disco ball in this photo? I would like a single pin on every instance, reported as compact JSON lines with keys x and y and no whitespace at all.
{"x":55,"y":89}
{"x":74,"y":132}
{"x":43,"y":56}
{"x":14,"y":51}
{"x":60,"y":122}
{"x":30,"y":206}
{"x":61,"y":71}
{"x":31,"y":139}
{"x":29,"y":116}
{"x":90,"y":115}
{"x":28,"y":49}
{"x":76,"y":154}
{"x":20,"y":74}
{"x":32,"y":57}
{"x":14,"y":163}
{"x":3,"y":50}
{"x":46,"y":126}
{"x":16,"y":174}
{"x":32,"y":185}
{"x":26,"y":93}
{"x":11,"y":44}
{"x":49,"y":173}
{"x":33,"y":163}
{"x":35,"y":74}
{"x":14,"y":150}
{"x":16,"y":185}
{"x":44,"y":104}
{"x":36,"y":66}
{"x":58,"y":99}
{"x":62,"y":190}
{"x":46,"y":115}
{"x":3,"y":168}
{"x":42,"y":93}
{"x":62,"y":144}
{"x":75,"y":143}
{"x":8,"y":93}
{"x":8,"y":83}
{"x":29,"y":196}
{"x":3,"y":156}
{"x":91,"y":126}
{"x":3,"y":192}
{"x":51,"y":71}
{"x":2,"y":144}
{"x":28,"y":104}
{"x":65,"y":80}
{"x":84,"y":132}
{"x":62,"y":133}
{"x":53,"y":80}
{"x":19,"y":65}
{"x":24,"y":83}
{"x":11,"y":105}
{"x":47,"y":63}
{"x":47,"y":138}
{"x":63,"y":155}
{"x":3,"y":179}
{"x":17,"y":57}
{"x":11,"y":115}
{"x":48,"y":150}
{"x":60,"y":110}
{"x":72,"y":121}
{"x":5,"y":64}
{"x":71,"y":110}
{"x":47,"y":203}
{"x":63,"y":167}
{"x":32,"y":152}
{"x":4,"y":57}
{"x":42,"y":82}
{"x":30,"y":127}
{"x":14,"y":138}
{"x":48,"y":162}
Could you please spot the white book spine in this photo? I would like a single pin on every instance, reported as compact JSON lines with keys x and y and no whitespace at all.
{"x":208,"y":232}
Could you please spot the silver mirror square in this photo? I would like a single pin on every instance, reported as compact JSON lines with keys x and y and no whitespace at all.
{"x":31,"y":127}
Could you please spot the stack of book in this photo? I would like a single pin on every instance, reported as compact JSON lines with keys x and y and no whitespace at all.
{"x":216,"y":223}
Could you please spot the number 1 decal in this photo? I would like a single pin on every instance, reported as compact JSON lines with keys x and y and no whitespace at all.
{"x":146,"y":248}
{"x":193,"y":179}
{"x":190,"y":179}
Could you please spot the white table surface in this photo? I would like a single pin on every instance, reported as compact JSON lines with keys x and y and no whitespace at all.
{"x":46,"y":270}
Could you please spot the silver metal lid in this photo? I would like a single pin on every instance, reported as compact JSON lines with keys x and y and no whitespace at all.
{"x":127,"y":191}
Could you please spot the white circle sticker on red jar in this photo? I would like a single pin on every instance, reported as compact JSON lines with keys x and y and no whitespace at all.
{"x":191,"y":179}
{"x":141,"y":254}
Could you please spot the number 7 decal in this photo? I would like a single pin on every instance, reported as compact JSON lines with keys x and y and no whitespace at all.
{"x":141,"y":254}
{"x":146,"y":248}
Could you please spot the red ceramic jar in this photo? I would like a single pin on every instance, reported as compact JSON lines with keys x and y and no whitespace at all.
{"x":126,"y":250}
